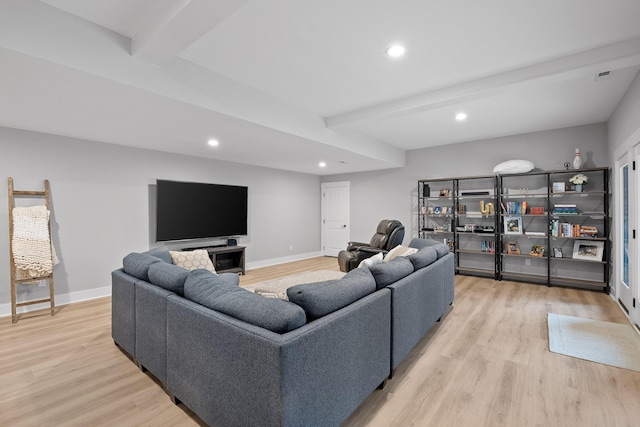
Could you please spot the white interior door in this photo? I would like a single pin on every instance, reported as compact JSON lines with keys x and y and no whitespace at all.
{"x":335,"y":217}
{"x":625,"y":237}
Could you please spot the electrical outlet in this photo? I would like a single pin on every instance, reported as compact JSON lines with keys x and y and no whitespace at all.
{"x":42,"y":283}
{"x":527,"y":261}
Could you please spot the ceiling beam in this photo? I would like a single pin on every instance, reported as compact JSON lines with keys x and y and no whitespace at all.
{"x":614,"y":56}
{"x":168,"y":31}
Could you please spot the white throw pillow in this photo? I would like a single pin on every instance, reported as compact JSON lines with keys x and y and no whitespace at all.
{"x":368,"y":262}
{"x":193,"y":260}
{"x":399,"y":251}
{"x":514,"y":166}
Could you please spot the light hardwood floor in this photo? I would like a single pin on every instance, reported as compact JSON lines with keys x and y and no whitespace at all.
{"x":486,"y":364}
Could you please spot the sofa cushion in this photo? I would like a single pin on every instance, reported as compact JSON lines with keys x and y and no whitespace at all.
{"x":368,"y":262}
{"x":321,"y":298}
{"x":217,"y":292}
{"x":440,"y":247}
{"x":399,"y":251}
{"x":230,"y":279}
{"x":423,"y":257}
{"x":193,"y":260}
{"x":160,"y":252}
{"x":168,"y":276}
{"x":137,"y":265}
{"x":392,"y":271}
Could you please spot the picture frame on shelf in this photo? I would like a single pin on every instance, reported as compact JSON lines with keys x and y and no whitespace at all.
{"x":537,"y":250}
{"x":430,"y":210}
{"x":558,"y":187}
{"x":588,"y":250}
{"x":437,"y":210}
{"x":423,"y":209}
{"x":445,"y":192}
{"x":557,"y":252}
{"x":513,"y":248}
{"x":512,"y":225}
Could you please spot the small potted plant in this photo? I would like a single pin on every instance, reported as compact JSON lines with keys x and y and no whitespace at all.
{"x":578,"y":180}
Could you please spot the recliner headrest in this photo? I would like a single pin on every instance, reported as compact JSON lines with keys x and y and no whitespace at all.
{"x":386,"y":226}
{"x":385,"y":229}
{"x":395,"y":238}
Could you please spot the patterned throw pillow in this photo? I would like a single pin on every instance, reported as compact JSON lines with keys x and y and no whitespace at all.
{"x":193,"y":260}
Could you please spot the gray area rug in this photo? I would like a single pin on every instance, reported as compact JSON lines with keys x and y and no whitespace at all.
{"x":608,"y":343}
{"x":277,"y":288}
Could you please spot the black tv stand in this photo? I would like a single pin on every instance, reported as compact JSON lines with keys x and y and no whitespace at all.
{"x":227,"y":259}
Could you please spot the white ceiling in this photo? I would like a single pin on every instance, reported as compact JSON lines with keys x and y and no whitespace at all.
{"x":288,"y":83}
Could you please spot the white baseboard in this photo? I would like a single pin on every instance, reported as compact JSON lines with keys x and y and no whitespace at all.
{"x":276,"y":261}
{"x":62,"y":299}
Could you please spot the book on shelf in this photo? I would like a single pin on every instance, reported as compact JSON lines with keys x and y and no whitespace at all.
{"x":588,"y":231}
{"x":488,"y":246}
{"x":558,"y":228}
{"x":568,"y":209}
{"x":515,"y":208}
{"x":536,"y":210}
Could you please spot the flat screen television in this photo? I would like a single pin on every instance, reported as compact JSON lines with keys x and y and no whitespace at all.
{"x":192,"y":210}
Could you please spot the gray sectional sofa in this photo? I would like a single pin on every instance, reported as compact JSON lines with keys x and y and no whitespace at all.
{"x":239,"y":359}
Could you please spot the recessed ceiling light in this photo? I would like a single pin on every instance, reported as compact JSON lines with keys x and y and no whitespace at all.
{"x":395,"y":51}
{"x":213,"y":142}
{"x":461,"y":117}
{"x":322,"y":164}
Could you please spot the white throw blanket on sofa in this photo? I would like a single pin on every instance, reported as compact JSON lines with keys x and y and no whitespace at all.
{"x":33,"y":251}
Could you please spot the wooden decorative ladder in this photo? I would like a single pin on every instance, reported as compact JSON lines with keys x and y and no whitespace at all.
{"x":12,"y":270}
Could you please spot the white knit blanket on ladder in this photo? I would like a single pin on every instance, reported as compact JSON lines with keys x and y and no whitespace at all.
{"x":33,"y":251}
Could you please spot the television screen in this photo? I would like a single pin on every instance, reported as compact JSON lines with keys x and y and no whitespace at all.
{"x":191,"y":210}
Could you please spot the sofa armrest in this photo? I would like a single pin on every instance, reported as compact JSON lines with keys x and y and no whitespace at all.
{"x":371,"y":251}
{"x":417,"y":302}
{"x":232,"y":373}
{"x":151,"y":328}
{"x":353,"y":246}
{"x":123,"y":311}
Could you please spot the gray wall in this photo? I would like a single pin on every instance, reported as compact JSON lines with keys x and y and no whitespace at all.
{"x":393,"y":193}
{"x":100,"y":195}
{"x":100,"y":212}
{"x":625,"y":120}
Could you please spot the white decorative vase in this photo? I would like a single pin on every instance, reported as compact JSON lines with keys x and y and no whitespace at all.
{"x":578,"y":188}
{"x":577,"y":161}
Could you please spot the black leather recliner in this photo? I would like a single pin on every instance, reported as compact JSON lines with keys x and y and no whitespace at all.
{"x":388,"y":235}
